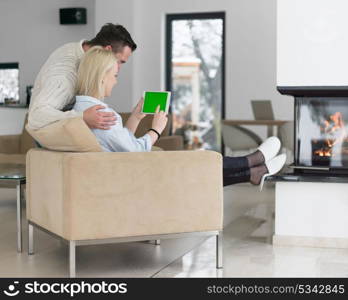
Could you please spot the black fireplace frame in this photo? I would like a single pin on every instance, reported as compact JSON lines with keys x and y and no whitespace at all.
{"x":300,"y":94}
{"x":314,"y":91}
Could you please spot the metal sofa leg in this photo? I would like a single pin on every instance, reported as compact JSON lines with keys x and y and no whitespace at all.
{"x":219,"y":245}
{"x":30,"y":239}
{"x":72,"y":259}
{"x":155,"y":242}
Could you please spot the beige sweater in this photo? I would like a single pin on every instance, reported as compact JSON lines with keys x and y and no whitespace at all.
{"x":54,"y":87}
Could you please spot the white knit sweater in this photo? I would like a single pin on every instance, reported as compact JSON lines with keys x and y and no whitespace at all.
{"x":54,"y":87}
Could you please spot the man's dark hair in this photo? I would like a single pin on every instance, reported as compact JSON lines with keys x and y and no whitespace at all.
{"x":115,"y":35}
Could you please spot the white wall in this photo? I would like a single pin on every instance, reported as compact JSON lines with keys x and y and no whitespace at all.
{"x":250,"y":49}
{"x":250,"y":44}
{"x":311,"y":209}
{"x":312,"y":43}
{"x":121,"y":12}
{"x":12,"y":120}
{"x":30,"y":31}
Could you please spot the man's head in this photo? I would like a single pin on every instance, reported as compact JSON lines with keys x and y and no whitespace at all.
{"x":116,"y":38}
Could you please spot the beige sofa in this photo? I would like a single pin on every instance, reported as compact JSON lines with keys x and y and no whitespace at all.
{"x":92,"y":197}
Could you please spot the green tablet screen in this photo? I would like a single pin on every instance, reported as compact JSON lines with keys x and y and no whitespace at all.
{"x":153,"y":99}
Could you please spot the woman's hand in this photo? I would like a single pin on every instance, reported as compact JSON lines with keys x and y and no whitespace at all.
{"x":160,"y":120}
{"x":136,"y":116}
{"x":136,"y":113}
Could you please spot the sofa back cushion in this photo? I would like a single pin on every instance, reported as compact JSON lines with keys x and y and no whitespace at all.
{"x":67,"y":135}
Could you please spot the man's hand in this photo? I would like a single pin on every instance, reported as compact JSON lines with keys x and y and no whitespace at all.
{"x":98,"y":119}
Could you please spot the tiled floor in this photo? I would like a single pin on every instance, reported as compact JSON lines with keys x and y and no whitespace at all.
{"x":247,"y":251}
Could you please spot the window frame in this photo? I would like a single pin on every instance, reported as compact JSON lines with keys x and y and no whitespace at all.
{"x":168,"y":53}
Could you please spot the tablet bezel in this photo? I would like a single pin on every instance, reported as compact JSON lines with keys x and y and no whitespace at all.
{"x":167,"y":102}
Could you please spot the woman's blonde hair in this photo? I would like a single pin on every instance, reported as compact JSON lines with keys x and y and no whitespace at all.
{"x":95,"y":63}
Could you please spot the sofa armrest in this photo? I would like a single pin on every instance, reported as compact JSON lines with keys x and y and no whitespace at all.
{"x":171,"y":143}
{"x":10,"y":144}
{"x":105,"y":195}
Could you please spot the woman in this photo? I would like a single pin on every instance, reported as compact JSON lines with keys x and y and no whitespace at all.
{"x":97,"y":75}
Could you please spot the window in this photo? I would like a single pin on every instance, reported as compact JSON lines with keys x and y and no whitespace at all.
{"x":195,"y":68}
{"x":9,"y":83}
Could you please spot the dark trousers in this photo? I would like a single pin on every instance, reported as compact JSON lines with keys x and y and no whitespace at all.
{"x":235,"y":170}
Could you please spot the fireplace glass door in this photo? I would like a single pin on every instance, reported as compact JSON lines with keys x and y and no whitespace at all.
{"x":321,"y":132}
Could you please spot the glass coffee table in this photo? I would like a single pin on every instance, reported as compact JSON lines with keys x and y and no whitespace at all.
{"x":14,"y":174}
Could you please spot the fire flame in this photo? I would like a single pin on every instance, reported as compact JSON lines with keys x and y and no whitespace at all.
{"x":335,"y":128}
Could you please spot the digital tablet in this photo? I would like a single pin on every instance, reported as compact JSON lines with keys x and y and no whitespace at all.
{"x":153,"y":99}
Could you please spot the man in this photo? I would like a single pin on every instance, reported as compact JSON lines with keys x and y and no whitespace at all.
{"x":54,"y":88}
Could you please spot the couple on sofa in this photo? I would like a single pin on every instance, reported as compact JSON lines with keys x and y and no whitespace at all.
{"x":89,"y":70}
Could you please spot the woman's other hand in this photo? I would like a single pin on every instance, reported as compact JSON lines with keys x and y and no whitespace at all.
{"x":136,"y":116}
{"x":160,"y":120}
{"x":137,"y":111}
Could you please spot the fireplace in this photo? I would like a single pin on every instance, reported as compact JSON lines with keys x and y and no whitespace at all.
{"x":311,"y":205}
{"x":321,"y":129}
